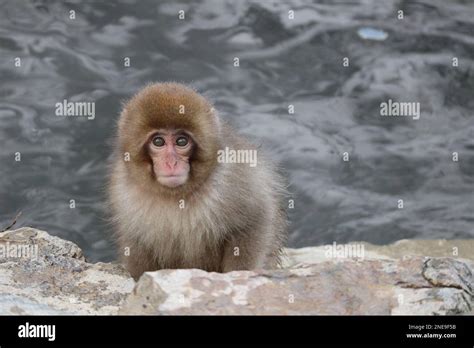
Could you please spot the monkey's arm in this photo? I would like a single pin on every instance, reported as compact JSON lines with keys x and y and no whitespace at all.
{"x":138,"y":260}
{"x":244,"y":252}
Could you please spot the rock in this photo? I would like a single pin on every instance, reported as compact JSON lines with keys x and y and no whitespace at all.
{"x":459,"y":248}
{"x":42,"y":274}
{"x":413,"y":285}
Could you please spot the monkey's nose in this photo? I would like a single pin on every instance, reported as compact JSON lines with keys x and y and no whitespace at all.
{"x":172,"y":164}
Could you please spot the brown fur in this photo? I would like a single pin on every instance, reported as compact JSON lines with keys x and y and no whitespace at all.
{"x":226,"y":205}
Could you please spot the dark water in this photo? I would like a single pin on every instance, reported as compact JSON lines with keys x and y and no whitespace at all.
{"x":282,"y":62}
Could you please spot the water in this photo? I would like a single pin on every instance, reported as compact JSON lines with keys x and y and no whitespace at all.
{"x":282,"y":62}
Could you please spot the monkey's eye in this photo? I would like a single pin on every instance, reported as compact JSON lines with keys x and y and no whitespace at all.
{"x":182,"y":141}
{"x":158,"y":141}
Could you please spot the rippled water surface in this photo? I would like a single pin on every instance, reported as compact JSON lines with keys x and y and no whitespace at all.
{"x":282,"y":61}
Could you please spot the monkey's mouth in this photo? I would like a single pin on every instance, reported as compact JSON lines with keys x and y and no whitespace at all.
{"x":172,"y":180}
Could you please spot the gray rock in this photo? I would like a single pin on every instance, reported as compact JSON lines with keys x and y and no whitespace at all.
{"x":413,"y":285}
{"x":42,"y":274}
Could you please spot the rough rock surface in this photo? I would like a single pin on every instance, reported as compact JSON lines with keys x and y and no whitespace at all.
{"x":407,"y":277}
{"x":412,"y":285}
{"x":42,"y":274}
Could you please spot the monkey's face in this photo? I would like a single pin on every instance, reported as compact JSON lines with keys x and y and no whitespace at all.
{"x":170,"y":152}
{"x":172,"y":135}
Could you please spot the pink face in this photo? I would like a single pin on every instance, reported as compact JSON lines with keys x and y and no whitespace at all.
{"x":170,"y":151}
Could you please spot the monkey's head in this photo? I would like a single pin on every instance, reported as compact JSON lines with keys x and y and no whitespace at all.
{"x":172,"y":135}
